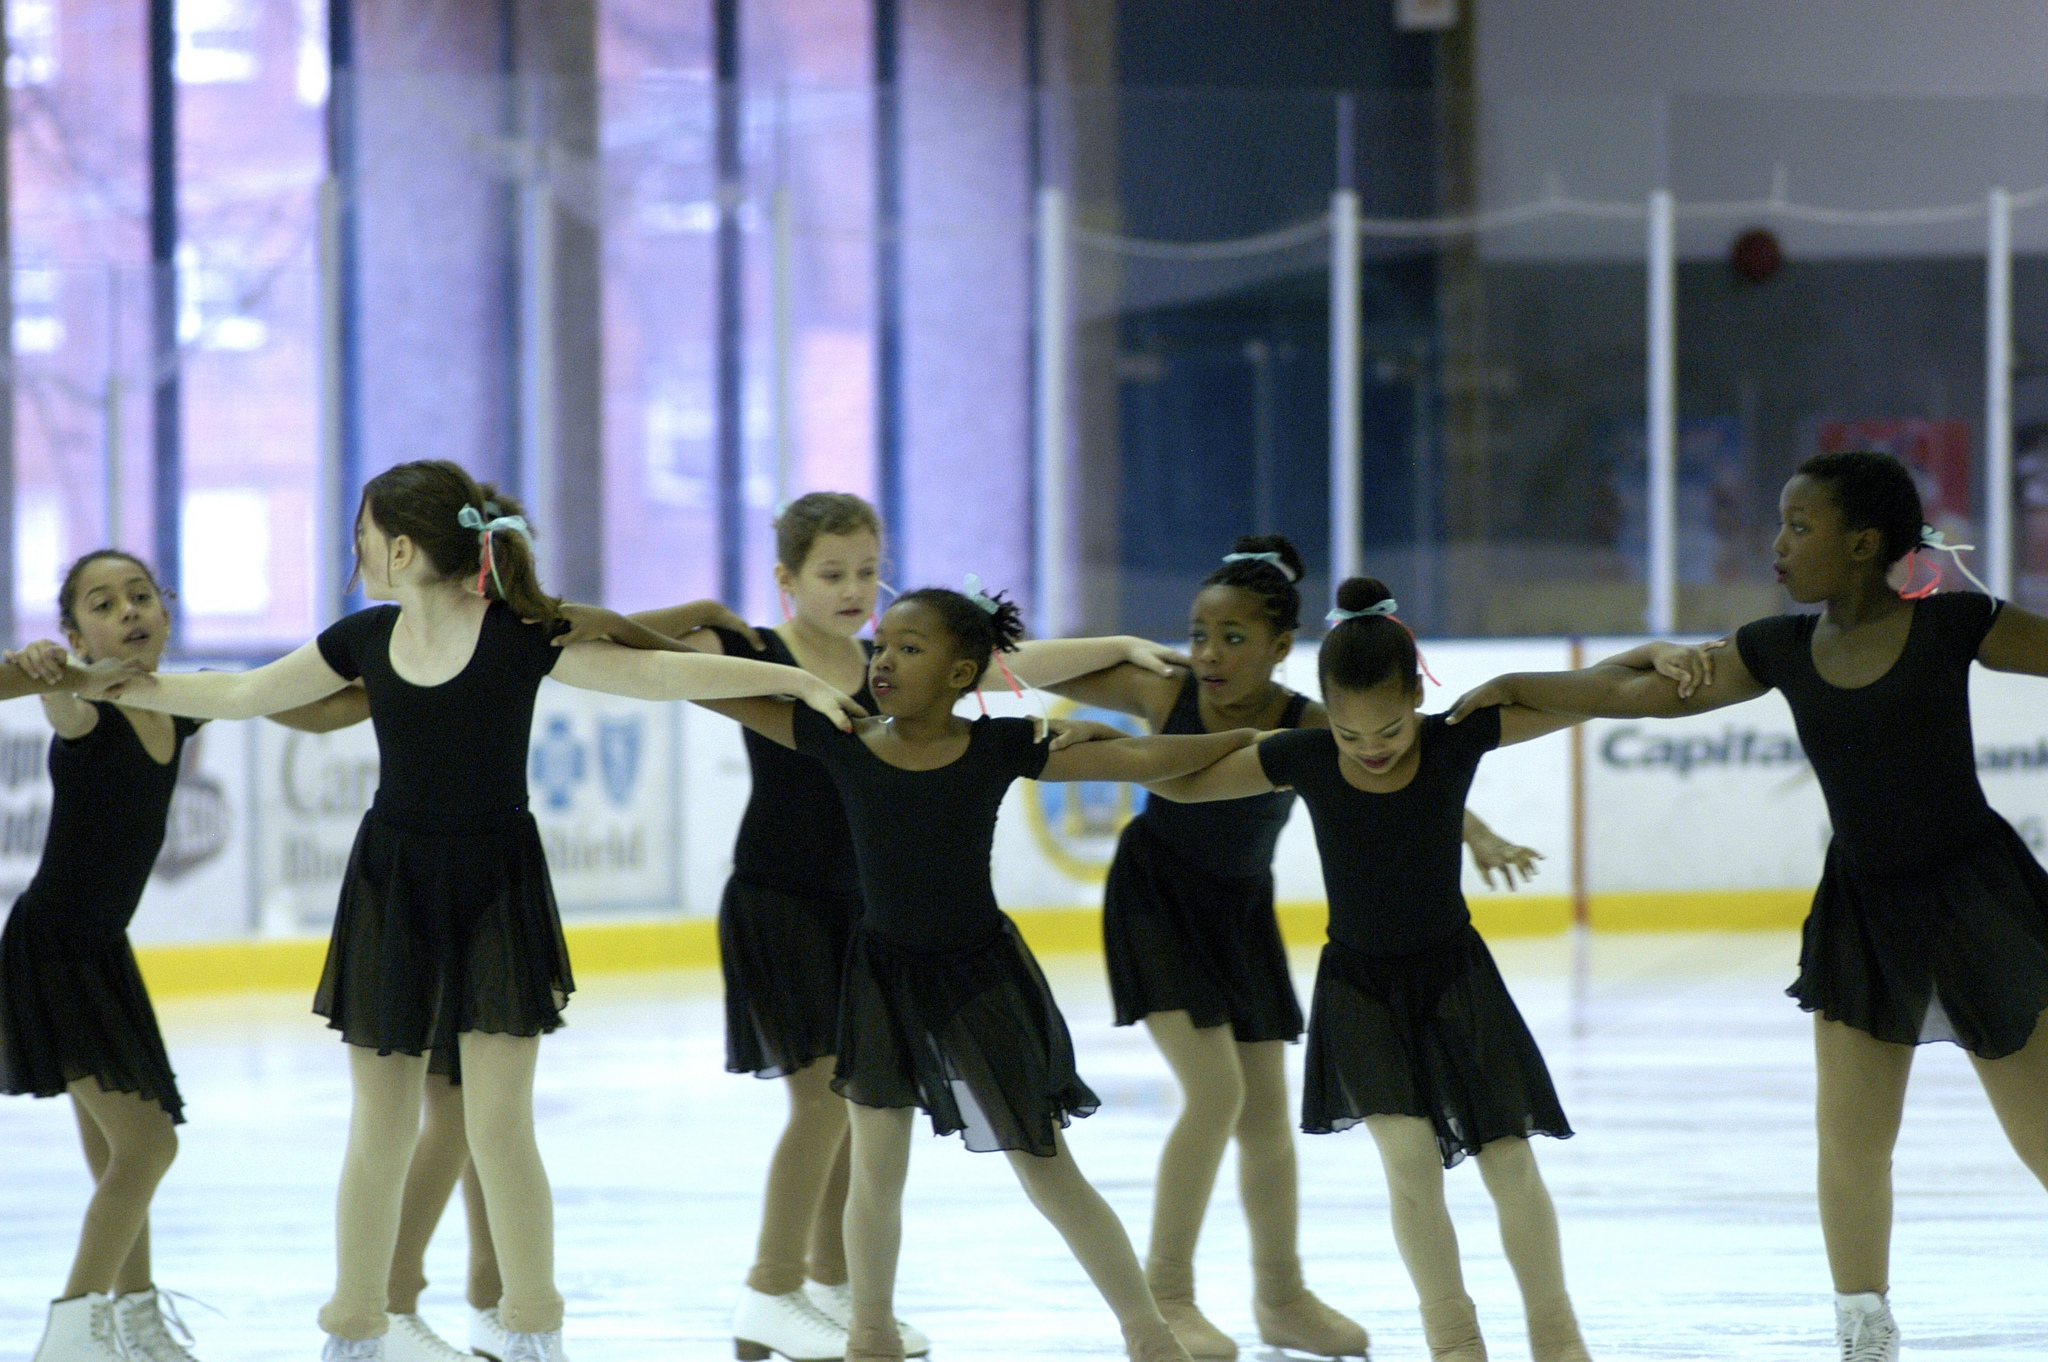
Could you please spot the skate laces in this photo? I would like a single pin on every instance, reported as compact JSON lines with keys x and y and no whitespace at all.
{"x":1866,"y":1336}
{"x":423,"y":1334}
{"x":105,"y":1327}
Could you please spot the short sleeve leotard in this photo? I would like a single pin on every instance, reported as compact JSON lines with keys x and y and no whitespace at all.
{"x":944,"y":1008}
{"x":72,"y":1002}
{"x":1187,"y":909}
{"x":1931,"y":919}
{"x":788,"y":912}
{"x":447,"y":920}
{"x":1411,"y":1017}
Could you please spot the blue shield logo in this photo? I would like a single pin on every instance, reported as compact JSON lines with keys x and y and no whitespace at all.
{"x":618,"y":757}
{"x":557,"y":763}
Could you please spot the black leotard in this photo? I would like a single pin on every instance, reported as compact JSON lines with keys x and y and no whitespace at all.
{"x":72,"y":1002}
{"x":1895,"y":759}
{"x":1391,"y":862}
{"x":1231,"y":838}
{"x":923,"y":838}
{"x":105,"y":781}
{"x":793,"y":836}
{"x":451,"y":756}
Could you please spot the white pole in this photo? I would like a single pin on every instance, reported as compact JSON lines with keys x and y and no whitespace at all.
{"x":1998,"y":482}
{"x":537,"y":357}
{"x":1345,"y":376}
{"x":327,"y":576}
{"x":1053,"y":549}
{"x":784,"y":416}
{"x":1662,"y":616}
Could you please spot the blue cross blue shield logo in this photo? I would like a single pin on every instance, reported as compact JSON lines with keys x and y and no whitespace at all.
{"x":557,"y":763}
{"x":618,"y":757}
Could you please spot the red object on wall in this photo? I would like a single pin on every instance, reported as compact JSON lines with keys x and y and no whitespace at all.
{"x":1937,"y":452}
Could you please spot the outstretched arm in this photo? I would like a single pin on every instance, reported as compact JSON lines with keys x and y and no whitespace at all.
{"x":2018,"y":642}
{"x":1237,"y":776}
{"x":680,"y":621}
{"x":1491,"y":852}
{"x":1143,"y":760}
{"x":696,"y":676}
{"x":346,"y":707}
{"x":773,"y":719}
{"x":1612,"y":690}
{"x":1047,"y":662}
{"x":1126,"y":688}
{"x":588,"y":623}
{"x":298,"y":678}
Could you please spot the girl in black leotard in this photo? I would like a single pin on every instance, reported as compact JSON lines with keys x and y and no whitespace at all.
{"x":1412,"y":1032}
{"x":789,"y":909}
{"x":74,"y":1015}
{"x":1931,"y":920}
{"x":943,"y":1007}
{"x":1194,"y":951}
{"x":446,"y":938}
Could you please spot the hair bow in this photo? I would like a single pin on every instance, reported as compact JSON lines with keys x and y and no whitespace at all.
{"x":1934,"y":540}
{"x":1386,"y":607}
{"x":470,"y":518}
{"x":1275,"y":559}
{"x":971,"y":589}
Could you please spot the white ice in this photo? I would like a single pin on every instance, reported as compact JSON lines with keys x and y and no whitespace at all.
{"x":1686,"y":1198}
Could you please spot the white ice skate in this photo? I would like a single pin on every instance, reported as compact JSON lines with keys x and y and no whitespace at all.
{"x":546,"y":1347}
{"x":412,"y":1339}
{"x":789,"y":1326}
{"x":836,"y":1302}
{"x":82,"y":1329}
{"x":1864,"y":1328}
{"x":339,"y":1349}
{"x":488,"y":1336}
{"x":150,"y":1328}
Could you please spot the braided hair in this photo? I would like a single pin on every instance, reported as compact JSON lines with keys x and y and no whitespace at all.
{"x":978,"y":634}
{"x":1273,"y":583}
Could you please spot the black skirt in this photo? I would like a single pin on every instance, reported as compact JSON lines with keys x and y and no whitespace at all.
{"x":972,"y":1036}
{"x":783,"y":956}
{"x":1179,"y":939}
{"x":1957,"y":953}
{"x":438,"y":933}
{"x":1432,"y":1034}
{"x":73,"y":1006}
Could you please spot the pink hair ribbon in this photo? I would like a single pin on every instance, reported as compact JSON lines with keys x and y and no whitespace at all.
{"x":470,"y":518}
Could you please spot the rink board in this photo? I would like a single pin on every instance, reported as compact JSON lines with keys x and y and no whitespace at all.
{"x":1700,"y":823}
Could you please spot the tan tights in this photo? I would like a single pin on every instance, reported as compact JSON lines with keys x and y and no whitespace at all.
{"x":805,"y":1204}
{"x":874,"y":1229}
{"x":1429,"y":1244}
{"x":1229,"y":1089}
{"x":1861,"y":1092}
{"x":129,"y":1144}
{"x":439,"y":1161}
{"x":384,"y":1126}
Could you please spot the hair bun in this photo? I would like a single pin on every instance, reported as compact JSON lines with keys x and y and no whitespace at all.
{"x":1362,"y":593}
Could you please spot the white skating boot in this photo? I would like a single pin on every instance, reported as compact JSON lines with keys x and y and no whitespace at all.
{"x":82,"y":1329}
{"x":488,"y":1336}
{"x":339,"y":1349}
{"x":837,"y":1304}
{"x":545,"y":1347}
{"x":150,"y":1328}
{"x":412,"y":1339}
{"x":1864,"y":1328}
{"x":790,"y":1326}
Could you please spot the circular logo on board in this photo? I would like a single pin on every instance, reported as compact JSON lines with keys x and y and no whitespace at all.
{"x":1076,"y":823}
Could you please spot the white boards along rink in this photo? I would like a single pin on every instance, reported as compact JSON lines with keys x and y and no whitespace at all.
{"x":638,"y":804}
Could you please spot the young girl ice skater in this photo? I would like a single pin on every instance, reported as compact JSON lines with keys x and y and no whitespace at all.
{"x":1411,"y":1031}
{"x":944,"y":1008}
{"x":789,"y":910}
{"x":1931,"y":919}
{"x":74,"y":1015}
{"x":1194,"y":951}
{"x":446,"y":939}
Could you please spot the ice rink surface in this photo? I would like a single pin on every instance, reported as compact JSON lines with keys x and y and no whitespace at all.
{"x":1686,"y":1198}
